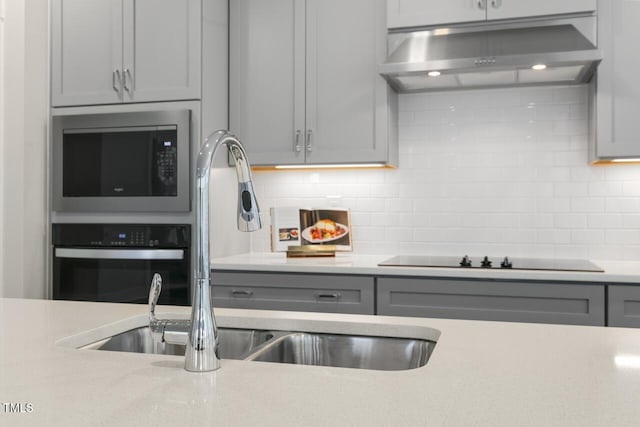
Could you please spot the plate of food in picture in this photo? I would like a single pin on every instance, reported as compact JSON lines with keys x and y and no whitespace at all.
{"x":324,"y":231}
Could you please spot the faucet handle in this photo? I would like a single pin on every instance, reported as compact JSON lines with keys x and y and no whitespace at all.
{"x":154,"y":294}
{"x":156,"y":326}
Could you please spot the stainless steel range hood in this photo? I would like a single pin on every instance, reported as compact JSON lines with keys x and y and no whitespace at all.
{"x":493,"y":55}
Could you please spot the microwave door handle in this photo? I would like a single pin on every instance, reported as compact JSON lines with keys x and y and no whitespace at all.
{"x":131,"y":254}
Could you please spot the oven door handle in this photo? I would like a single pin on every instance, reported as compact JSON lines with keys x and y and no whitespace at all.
{"x":133,"y":254}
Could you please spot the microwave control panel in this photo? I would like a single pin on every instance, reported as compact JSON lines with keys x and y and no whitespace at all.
{"x":166,"y":165}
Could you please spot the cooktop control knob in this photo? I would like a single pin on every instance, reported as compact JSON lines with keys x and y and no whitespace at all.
{"x":466,"y":261}
{"x":506,"y":263}
{"x":486,"y":263}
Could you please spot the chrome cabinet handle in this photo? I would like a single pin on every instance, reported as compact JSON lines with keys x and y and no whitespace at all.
{"x":482,"y":4}
{"x":298,"y":136}
{"x":309,"y":145}
{"x":333,"y":296}
{"x":116,"y":81}
{"x":242,"y":294}
{"x":496,"y":4}
{"x":127,"y":72}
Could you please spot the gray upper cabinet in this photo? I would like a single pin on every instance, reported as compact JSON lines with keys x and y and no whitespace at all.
{"x":617,"y":108}
{"x":418,"y":13}
{"x":114,"y":51}
{"x":304,"y":87}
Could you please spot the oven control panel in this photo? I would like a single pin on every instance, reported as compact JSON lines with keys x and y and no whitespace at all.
{"x":122,"y":235}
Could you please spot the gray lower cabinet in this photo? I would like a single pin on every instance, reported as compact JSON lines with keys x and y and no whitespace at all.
{"x":297,"y":292}
{"x":514,"y":301}
{"x":624,"y":306}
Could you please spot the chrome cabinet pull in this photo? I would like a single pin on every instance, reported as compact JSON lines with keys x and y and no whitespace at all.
{"x":298,"y":136}
{"x":333,"y":296}
{"x":127,"y":72}
{"x":116,"y":81}
{"x":496,"y":4}
{"x":482,"y":4}
{"x":309,"y":145}
{"x":242,"y":294}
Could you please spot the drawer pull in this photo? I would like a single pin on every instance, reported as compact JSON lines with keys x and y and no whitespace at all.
{"x":333,"y":296}
{"x":242,"y":294}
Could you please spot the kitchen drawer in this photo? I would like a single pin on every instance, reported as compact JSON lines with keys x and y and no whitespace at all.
{"x":297,"y":292}
{"x":514,"y":301}
{"x":624,"y":306}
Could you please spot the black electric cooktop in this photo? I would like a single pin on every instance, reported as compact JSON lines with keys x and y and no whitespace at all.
{"x":492,"y":263}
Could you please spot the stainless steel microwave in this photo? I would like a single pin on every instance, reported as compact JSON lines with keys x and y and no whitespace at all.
{"x":121,"y":162}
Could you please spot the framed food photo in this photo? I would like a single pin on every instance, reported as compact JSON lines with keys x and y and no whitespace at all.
{"x":326,"y":227}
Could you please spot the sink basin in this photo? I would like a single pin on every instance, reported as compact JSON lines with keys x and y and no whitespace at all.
{"x":347,"y":351}
{"x":302,"y":348}
{"x":234,"y":343}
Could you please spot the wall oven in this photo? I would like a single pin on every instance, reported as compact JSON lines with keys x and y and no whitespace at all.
{"x":121,"y":162}
{"x":116,"y":262}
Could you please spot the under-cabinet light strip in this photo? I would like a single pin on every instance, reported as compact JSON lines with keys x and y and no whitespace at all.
{"x":625,"y":160}
{"x":354,"y":165}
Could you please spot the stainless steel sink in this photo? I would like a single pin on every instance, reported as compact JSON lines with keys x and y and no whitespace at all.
{"x":347,"y":351}
{"x":234,"y":343}
{"x":302,"y":348}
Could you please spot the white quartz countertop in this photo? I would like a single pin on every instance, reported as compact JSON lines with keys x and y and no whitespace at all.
{"x":350,"y":263}
{"x":480,"y":374}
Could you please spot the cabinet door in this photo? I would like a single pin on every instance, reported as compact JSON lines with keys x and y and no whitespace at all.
{"x":344,"y":89}
{"x":618,"y":86}
{"x":417,"y":13}
{"x":299,"y":292}
{"x":266,"y":79}
{"x":86,"y":52}
{"x":161,"y":50}
{"x":506,"y":9}
{"x":574,"y":304}
{"x":624,"y":306}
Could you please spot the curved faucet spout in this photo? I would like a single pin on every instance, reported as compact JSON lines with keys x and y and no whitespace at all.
{"x":202,"y":345}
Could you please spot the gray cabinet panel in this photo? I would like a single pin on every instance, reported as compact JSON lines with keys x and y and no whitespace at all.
{"x":483,"y":300}
{"x":266,"y":83}
{"x":297,"y":292}
{"x":161,"y":50}
{"x":343,"y":88}
{"x":616,"y":103}
{"x":114,"y":51}
{"x":420,"y":13}
{"x":304,"y":86}
{"x":86,"y":51}
{"x":624,"y":306}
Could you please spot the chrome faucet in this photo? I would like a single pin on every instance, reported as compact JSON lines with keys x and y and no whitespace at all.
{"x":201,"y":332}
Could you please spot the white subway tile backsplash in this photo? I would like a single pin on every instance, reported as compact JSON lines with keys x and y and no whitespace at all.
{"x":604,"y":221}
{"x":587,"y":237}
{"x":622,"y":204}
{"x":570,"y":221}
{"x":584,"y":204}
{"x":496,"y":172}
{"x":623,"y":237}
{"x":631,"y":221}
